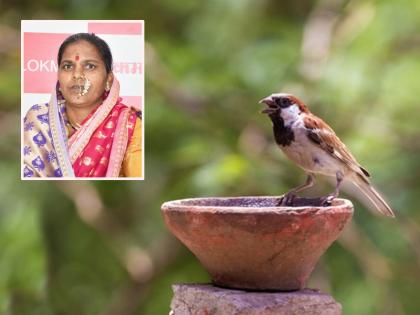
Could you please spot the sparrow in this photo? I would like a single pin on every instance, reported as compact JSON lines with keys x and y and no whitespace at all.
{"x":310,"y":143}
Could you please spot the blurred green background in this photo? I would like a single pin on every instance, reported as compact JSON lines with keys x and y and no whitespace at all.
{"x":102,"y":248}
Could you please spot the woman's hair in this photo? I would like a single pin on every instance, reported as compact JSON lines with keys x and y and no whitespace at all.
{"x":99,"y":43}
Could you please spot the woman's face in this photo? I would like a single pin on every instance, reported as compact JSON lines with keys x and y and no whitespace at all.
{"x":82,"y":75}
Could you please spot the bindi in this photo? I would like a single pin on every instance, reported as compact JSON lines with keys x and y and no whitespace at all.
{"x":77,"y":58}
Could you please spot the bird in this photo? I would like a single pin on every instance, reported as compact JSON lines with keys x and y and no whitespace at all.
{"x":313,"y":145}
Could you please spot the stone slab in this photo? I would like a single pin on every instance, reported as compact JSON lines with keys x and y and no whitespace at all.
{"x":207,"y":299}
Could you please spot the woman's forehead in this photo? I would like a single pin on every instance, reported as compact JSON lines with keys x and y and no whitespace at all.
{"x":82,"y":49}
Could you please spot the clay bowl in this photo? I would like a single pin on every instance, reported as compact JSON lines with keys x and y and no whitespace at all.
{"x":250,"y":243}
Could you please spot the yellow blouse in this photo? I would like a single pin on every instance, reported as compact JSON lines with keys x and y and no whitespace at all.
{"x":132,"y":163}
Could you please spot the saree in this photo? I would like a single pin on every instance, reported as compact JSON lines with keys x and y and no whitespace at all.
{"x":96,"y":149}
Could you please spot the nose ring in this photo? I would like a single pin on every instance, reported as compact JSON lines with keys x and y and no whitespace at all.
{"x":84,"y":84}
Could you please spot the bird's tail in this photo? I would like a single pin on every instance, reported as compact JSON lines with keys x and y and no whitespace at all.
{"x":374,"y":196}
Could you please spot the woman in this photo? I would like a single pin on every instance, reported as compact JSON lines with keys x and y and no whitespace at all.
{"x":85,"y":130}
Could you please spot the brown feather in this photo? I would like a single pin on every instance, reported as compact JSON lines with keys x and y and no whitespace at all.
{"x":322,"y":134}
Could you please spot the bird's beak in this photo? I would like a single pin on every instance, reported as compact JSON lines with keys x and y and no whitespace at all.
{"x":272,"y":108}
{"x":268,"y":101}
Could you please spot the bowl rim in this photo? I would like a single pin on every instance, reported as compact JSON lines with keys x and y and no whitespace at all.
{"x":344,"y":205}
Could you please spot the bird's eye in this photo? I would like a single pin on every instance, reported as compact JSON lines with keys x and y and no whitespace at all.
{"x":285,"y":102}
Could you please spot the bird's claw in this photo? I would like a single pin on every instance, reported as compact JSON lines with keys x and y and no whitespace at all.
{"x":292,"y":200}
{"x":327,"y":200}
{"x":287,"y":200}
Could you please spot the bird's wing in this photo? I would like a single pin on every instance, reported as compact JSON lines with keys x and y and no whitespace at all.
{"x":322,"y":135}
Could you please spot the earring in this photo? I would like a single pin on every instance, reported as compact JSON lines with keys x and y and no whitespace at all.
{"x":107,"y":88}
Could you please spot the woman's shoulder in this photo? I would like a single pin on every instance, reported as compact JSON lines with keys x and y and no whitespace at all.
{"x":136,"y":112}
{"x":132,"y":109}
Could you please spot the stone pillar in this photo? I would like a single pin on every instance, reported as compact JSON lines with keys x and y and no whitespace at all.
{"x":207,"y":299}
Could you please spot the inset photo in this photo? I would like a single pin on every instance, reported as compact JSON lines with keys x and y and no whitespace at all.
{"x":82,"y":99}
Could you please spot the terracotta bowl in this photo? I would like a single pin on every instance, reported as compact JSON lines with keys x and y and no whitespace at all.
{"x":250,"y":243}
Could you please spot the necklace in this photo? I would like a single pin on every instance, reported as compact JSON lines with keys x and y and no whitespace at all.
{"x":74,"y":125}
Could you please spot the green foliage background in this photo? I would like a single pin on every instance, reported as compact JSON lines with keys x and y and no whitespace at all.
{"x":102,"y":248}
